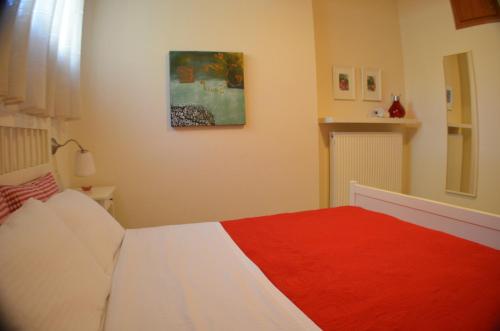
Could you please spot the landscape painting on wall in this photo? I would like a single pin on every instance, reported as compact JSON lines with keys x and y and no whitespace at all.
{"x":206,"y":88}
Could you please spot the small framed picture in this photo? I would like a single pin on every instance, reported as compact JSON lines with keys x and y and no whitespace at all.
{"x":344,"y":83}
{"x":371,"y":88}
{"x":449,"y":97}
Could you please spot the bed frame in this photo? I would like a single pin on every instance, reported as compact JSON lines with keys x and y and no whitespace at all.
{"x":470,"y":224}
{"x":24,"y":152}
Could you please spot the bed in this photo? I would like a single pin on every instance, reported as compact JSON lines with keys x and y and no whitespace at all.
{"x":387,"y":261}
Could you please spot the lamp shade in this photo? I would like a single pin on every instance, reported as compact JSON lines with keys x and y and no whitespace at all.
{"x":84,"y":164}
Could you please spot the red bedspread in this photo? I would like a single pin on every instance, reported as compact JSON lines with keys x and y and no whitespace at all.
{"x":352,"y":269}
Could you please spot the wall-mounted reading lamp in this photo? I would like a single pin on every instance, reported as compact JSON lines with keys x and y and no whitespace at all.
{"x":84,"y":161}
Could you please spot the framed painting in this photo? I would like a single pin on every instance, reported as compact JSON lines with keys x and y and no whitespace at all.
{"x":371,"y":84}
{"x":206,"y":88}
{"x":344,"y":83}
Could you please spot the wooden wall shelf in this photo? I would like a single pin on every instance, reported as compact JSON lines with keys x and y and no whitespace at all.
{"x":369,"y":120}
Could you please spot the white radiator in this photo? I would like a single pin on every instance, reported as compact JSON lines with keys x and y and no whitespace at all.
{"x":374,"y":159}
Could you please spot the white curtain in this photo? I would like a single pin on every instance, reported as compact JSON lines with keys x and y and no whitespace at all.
{"x":40,"y":43}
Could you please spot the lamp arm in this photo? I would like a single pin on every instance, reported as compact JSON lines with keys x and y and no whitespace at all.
{"x":56,"y":145}
{"x":76,"y":142}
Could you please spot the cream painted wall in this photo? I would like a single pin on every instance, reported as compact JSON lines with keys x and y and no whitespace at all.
{"x":428,"y":33}
{"x":355,"y":33}
{"x":165,"y":175}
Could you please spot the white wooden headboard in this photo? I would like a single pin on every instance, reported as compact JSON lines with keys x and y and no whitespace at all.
{"x":24,"y":148}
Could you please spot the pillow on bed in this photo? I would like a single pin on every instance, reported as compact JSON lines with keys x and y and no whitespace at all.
{"x":4,"y":208}
{"x":40,"y":188}
{"x":91,"y":223}
{"x":48,"y":281}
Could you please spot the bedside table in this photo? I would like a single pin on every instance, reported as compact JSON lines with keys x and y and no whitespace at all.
{"x":102,"y":195}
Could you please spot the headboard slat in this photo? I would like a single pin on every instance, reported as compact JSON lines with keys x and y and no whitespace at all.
{"x":3,"y":158}
{"x":12,"y":149}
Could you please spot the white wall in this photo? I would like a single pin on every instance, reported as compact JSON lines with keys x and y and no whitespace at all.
{"x":165,"y":175}
{"x":357,"y":33}
{"x":428,"y":33}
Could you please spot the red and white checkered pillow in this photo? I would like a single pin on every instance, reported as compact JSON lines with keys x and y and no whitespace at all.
{"x":41,"y":188}
{"x":4,"y":209}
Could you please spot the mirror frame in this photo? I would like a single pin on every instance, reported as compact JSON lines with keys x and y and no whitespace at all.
{"x":474,"y":128}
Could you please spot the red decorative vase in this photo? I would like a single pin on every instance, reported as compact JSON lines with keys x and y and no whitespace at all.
{"x":396,"y":110}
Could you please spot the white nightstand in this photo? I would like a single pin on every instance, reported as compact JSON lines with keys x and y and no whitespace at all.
{"x":103,"y":195}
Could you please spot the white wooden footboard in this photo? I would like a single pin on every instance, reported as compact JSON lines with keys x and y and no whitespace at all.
{"x":473,"y":225}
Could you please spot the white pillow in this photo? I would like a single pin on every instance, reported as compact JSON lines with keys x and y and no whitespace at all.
{"x":48,"y":280}
{"x":92,"y":224}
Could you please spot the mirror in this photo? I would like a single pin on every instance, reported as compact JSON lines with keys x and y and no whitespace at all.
{"x":461,"y":111}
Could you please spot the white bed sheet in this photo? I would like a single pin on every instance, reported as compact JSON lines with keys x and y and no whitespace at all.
{"x":194,"y":277}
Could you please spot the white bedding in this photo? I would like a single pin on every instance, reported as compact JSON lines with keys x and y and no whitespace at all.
{"x":194,"y":277}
